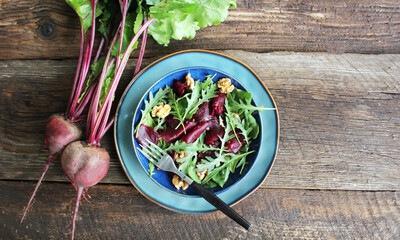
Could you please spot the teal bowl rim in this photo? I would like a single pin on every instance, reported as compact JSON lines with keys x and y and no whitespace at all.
{"x":208,"y":52}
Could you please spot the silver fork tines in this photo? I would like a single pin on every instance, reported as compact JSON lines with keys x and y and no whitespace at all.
{"x":161,"y":159}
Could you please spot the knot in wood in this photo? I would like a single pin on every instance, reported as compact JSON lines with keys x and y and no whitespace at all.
{"x":46,"y":30}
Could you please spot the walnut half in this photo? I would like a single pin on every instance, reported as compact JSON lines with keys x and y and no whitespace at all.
{"x":225,"y":85}
{"x":179,"y":183}
{"x":161,"y":110}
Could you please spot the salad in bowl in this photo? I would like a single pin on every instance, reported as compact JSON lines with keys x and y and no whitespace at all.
{"x":206,"y":121}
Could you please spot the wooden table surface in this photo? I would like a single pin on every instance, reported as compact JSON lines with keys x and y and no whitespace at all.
{"x":333,"y":68}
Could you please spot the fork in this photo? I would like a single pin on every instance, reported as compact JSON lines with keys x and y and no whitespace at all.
{"x":162,"y":160}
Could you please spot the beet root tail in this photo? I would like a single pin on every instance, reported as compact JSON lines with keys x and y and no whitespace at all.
{"x":50,"y":159}
{"x":78,"y":199}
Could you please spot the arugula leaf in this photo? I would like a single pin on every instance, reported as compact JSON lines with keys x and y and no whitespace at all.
{"x":159,"y":124}
{"x":84,"y":10}
{"x":236,"y":123}
{"x":176,"y":108}
{"x":252,"y":124}
{"x":230,"y":157}
{"x":149,"y":104}
{"x":193,"y":174}
{"x":221,"y":177}
{"x":151,"y":169}
{"x":180,"y":19}
{"x":188,"y":147}
{"x":201,"y":93}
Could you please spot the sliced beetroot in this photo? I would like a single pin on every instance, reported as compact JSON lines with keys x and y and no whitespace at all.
{"x":233,"y":145}
{"x":171,"y":121}
{"x":179,"y":88}
{"x":217,"y":103}
{"x":214,"y":132}
{"x":195,"y":133}
{"x":208,"y":153}
{"x":146,"y":132}
{"x":172,"y":134}
{"x":203,"y":113}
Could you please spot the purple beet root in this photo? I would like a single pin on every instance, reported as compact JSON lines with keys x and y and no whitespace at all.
{"x":171,"y":121}
{"x":146,"y":132}
{"x":195,"y":133}
{"x":172,"y":134}
{"x":85,"y":166}
{"x":214,"y":132}
{"x":203,"y":113}
{"x":217,"y":103}
{"x":233,"y":144}
{"x":60,"y":132}
{"x":179,"y":88}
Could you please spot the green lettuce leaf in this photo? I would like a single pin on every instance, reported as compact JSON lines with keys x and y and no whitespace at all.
{"x":84,"y":10}
{"x":180,"y":19}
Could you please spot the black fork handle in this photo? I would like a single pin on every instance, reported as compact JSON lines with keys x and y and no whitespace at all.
{"x":220,"y":205}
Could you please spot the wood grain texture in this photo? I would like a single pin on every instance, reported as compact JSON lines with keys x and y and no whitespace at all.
{"x":123,"y":213}
{"x":340,"y":123}
{"x":47,"y":29}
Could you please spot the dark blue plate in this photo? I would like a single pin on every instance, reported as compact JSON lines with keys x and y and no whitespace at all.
{"x":201,"y":60}
{"x":164,"y":178}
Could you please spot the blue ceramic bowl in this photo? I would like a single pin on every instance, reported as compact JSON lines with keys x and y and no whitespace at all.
{"x":164,"y":178}
{"x":152,"y":78}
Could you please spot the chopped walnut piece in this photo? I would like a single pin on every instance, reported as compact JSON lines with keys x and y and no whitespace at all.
{"x":189,"y":81}
{"x":202,"y":174}
{"x":180,"y":155}
{"x":161,"y":110}
{"x":225,"y":85}
{"x":179,"y":183}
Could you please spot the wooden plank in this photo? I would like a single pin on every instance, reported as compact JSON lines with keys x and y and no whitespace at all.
{"x":46,"y":29}
{"x":120,"y":212}
{"x":339,"y":118}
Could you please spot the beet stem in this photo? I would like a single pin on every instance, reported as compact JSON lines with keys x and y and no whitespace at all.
{"x":99,"y":50}
{"x":95,"y":102}
{"x":85,"y":100}
{"x":86,"y":63}
{"x":78,"y":199}
{"x":46,"y":167}
{"x":78,"y":67}
{"x":106,"y":128}
{"x":124,"y":6}
{"x":113,"y":87}
{"x":142,"y":48}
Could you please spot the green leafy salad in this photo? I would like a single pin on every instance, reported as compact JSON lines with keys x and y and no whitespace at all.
{"x":207,"y":128}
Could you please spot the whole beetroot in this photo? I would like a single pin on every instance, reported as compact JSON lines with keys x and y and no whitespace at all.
{"x":59,"y":133}
{"x":85,"y":165}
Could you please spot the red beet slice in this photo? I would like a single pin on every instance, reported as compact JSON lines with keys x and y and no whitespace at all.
{"x":233,"y":145}
{"x":179,"y":88}
{"x":195,"y":133}
{"x":172,"y":134}
{"x":146,"y":132}
{"x":218,"y":103}
{"x":203,"y":113}
{"x":171,"y":121}
{"x":214,"y":132}
{"x":208,"y":153}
